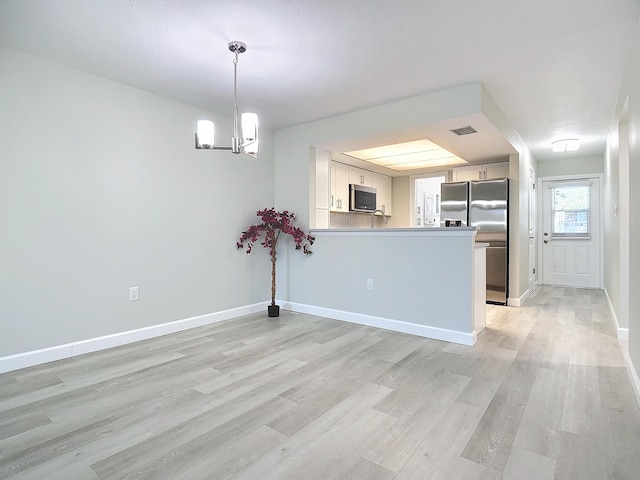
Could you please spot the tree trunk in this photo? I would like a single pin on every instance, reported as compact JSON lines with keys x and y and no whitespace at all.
{"x":273,"y":270}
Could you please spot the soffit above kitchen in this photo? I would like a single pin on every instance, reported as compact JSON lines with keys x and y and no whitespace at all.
{"x":554,"y":68}
{"x":488,"y":144}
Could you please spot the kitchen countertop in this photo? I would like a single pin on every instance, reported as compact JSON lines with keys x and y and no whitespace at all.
{"x":408,"y":232}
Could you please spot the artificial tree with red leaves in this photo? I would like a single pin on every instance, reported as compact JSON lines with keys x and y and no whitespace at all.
{"x":273,"y":225}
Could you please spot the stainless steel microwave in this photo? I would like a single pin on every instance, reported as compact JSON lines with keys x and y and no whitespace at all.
{"x":361,"y":198}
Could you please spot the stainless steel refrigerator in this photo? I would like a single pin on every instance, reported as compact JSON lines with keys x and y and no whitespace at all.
{"x":483,"y":204}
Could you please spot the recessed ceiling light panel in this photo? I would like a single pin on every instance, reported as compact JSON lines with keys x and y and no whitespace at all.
{"x":408,"y":155}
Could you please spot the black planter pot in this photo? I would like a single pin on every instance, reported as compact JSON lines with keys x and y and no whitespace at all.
{"x":274,"y":310}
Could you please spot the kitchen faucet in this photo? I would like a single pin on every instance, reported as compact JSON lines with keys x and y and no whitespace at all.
{"x":373,"y":216}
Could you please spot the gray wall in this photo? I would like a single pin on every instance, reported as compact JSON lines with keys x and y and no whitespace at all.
{"x":622,"y":224}
{"x":101,"y":189}
{"x":571,"y":166}
{"x":421,"y":277}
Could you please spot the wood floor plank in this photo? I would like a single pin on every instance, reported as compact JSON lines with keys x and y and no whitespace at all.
{"x":541,"y":421}
{"x":169,"y":454}
{"x":582,"y":457}
{"x":417,"y":415}
{"x":524,"y":464}
{"x":224,"y":462}
{"x":76,"y":462}
{"x":326,"y":389}
{"x":443,"y":444}
{"x":491,"y":443}
{"x":483,"y":385}
{"x":347,"y":429}
{"x":365,"y":470}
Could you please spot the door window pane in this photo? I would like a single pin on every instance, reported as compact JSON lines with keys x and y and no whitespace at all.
{"x":571,"y":210}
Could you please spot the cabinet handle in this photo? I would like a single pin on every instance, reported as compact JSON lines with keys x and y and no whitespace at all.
{"x":418,"y":208}
{"x":479,"y":174}
{"x":332,"y":200}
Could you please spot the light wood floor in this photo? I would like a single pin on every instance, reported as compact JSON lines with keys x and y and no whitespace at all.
{"x":543,"y":395}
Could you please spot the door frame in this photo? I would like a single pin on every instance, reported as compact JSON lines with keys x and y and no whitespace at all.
{"x":539,"y":201}
{"x":412,"y":190}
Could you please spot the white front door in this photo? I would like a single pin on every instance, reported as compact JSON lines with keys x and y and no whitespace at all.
{"x":571,"y":233}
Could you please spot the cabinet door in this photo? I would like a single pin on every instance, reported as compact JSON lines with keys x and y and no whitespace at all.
{"x":360,"y":176}
{"x":464,"y":174}
{"x":382,"y":184}
{"x":496,"y":170}
{"x":339,"y":199}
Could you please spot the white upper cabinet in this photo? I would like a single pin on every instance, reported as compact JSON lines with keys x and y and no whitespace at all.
{"x":382,"y":184}
{"x":486,"y":171}
{"x":360,"y":176}
{"x":339,"y":199}
{"x":496,"y":170}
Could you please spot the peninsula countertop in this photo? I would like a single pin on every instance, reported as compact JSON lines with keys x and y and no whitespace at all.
{"x":397,"y":232}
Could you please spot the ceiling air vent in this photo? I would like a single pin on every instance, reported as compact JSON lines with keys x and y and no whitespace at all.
{"x":468,"y":130}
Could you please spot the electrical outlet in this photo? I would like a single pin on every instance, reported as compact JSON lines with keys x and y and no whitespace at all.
{"x":369,"y":284}
{"x":133,"y":294}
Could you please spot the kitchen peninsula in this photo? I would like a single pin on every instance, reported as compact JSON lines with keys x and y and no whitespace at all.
{"x":427,"y":282}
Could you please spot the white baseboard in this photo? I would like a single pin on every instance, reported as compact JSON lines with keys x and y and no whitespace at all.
{"x":517,"y":302}
{"x":436,"y":333}
{"x":622,"y":333}
{"x":59,"y":352}
{"x":633,"y":375}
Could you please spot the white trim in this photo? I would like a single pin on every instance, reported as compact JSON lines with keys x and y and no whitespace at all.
{"x":622,"y":333}
{"x":519,"y":301}
{"x":59,"y":352}
{"x":455,"y":336}
{"x":633,"y":374}
{"x":412,"y":191}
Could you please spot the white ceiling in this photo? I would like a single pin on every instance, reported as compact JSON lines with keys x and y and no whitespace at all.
{"x":553,"y":66}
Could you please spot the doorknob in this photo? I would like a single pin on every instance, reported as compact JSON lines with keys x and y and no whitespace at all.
{"x":546,"y":241}
{"x":546,"y":234}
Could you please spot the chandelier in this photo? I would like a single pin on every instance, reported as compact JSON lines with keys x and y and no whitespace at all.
{"x":244,"y":140}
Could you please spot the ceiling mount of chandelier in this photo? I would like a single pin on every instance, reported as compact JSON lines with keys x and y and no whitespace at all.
{"x":245,"y":134}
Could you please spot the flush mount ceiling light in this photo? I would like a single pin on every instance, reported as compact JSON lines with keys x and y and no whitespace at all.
{"x":248,"y":143}
{"x":565,"y":145}
{"x":408,"y":155}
